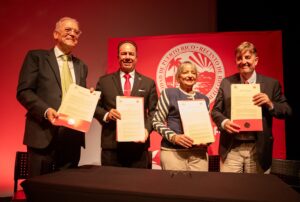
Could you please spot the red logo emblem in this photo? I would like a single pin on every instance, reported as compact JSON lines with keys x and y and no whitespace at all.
{"x":209,"y":65}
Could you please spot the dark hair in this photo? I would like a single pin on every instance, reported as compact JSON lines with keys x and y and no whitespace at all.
{"x":127,"y":41}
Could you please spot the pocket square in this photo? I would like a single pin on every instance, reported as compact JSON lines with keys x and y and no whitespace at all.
{"x":141,"y":90}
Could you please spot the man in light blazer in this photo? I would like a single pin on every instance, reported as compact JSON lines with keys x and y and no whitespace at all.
{"x":124,"y":154}
{"x":248,"y":152}
{"x":40,"y":92}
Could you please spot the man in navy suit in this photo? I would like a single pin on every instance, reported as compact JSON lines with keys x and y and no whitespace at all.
{"x":40,"y":92}
{"x":248,"y":152}
{"x":124,"y":154}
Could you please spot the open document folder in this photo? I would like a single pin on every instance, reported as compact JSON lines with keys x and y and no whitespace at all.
{"x":78,"y":108}
{"x":196,"y":121}
{"x":243,"y":110}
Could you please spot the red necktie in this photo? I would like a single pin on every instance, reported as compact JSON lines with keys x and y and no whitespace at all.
{"x":127,"y":86}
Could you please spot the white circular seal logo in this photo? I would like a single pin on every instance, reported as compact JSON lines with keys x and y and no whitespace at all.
{"x":209,"y":65}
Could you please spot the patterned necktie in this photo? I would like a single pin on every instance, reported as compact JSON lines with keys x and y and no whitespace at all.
{"x":66,"y":77}
{"x":127,"y":85}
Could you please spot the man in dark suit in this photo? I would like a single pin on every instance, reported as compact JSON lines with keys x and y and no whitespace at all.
{"x":124,"y":154}
{"x":249,"y":152}
{"x":40,"y":92}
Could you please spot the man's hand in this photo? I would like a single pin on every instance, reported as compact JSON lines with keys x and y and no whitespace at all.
{"x":262,"y":99}
{"x":51,"y":114}
{"x":113,"y":115}
{"x":231,"y":127}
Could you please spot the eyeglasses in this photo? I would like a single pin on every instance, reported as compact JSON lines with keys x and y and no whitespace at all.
{"x":75,"y":31}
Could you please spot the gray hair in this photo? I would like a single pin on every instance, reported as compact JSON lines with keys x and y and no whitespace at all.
{"x":61,"y":20}
{"x":182,"y":65}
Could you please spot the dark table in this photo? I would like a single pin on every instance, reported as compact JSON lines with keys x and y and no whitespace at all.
{"x":96,"y":183}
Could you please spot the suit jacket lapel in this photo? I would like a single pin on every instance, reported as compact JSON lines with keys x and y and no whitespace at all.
{"x":117,"y":82}
{"x":260,"y":80}
{"x":54,"y":65}
{"x":236,"y":79}
{"x":136,"y":84}
{"x":76,"y":69}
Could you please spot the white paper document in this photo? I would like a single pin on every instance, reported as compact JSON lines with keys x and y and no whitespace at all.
{"x":243,"y":110}
{"x":196,"y":121}
{"x":78,"y":108}
{"x":131,"y":127}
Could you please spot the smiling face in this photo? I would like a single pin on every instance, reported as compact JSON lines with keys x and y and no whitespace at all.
{"x":246,"y":59}
{"x":246,"y":63}
{"x":66,"y":34}
{"x":186,"y":76}
{"x":127,"y":57}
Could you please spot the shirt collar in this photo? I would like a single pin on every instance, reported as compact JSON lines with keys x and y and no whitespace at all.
{"x":58,"y":53}
{"x":251,"y":80}
{"x":130,"y":73}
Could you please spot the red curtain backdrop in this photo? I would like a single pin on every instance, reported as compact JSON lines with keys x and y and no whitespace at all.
{"x":213,"y":54}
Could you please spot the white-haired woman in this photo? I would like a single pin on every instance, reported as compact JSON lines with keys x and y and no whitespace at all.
{"x":177,"y":149}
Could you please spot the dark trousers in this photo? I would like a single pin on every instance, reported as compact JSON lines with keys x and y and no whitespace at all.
{"x":129,"y":155}
{"x":63,"y":152}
